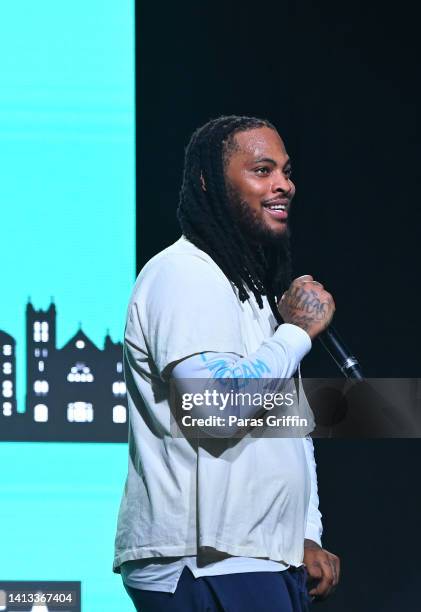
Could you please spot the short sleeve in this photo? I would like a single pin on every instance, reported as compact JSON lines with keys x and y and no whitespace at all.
{"x":186,"y":306}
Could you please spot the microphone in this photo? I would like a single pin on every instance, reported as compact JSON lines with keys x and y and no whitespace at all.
{"x":344,"y":359}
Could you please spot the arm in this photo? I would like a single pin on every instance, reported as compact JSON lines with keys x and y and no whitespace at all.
{"x":260,"y":374}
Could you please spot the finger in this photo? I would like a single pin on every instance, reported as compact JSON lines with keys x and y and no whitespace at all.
{"x":323,"y":589}
{"x":325,"y":585}
{"x":314,"y":574}
{"x":337,"y":565}
{"x":314,"y":570}
{"x":303,"y":279}
{"x":334,"y":572}
{"x":313,"y":282}
{"x":326,"y":297}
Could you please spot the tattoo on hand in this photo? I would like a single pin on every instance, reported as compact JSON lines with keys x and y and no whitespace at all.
{"x":309,"y":303}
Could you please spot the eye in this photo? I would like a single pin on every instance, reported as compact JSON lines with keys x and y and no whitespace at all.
{"x":262,"y":170}
{"x":288,"y":172}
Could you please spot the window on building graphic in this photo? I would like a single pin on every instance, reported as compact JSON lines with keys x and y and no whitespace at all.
{"x":80,"y":344}
{"x":45,"y":352}
{"x":37,"y":331}
{"x":7,"y":350}
{"x":7,"y":367}
{"x":41,"y":387}
{"x":80,"y":412}
{"x":44,"y":331}
{"x":119,"y":414}
{"x":41,"y":413}
{"x":40,"y":331}
{"x":7,"y":409}
{"x":40,"y":366}
{"x":80,"y":373}
{"x":37,"y":352}
{"x":119,"y":387}
{"x":7,"y":388}
{"x":119,"y":366}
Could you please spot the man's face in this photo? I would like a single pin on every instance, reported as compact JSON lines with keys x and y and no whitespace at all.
{"x":259,"y":188}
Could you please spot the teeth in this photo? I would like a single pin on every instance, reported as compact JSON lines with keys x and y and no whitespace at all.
{"x":278,"y":207}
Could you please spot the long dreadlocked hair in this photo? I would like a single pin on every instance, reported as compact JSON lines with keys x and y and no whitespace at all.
{"x":205,"y":219}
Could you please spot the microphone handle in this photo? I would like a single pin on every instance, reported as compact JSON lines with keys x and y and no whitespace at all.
{"x":346,"y":362}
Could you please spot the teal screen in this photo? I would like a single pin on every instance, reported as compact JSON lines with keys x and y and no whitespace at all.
{"x":67,"y":237}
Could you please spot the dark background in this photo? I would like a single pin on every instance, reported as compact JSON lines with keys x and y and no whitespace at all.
{"x":341,"y":83}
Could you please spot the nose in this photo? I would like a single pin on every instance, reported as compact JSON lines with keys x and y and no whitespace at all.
{"x":281,"y":184}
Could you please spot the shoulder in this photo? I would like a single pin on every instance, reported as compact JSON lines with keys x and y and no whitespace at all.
{"x":180,"y":267}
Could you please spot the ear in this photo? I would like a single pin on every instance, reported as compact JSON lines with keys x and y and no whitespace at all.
{"x":202,"y":181}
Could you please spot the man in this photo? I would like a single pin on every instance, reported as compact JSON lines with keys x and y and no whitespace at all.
{"x":200,"y":530}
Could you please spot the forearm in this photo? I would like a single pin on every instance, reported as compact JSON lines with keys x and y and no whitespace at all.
{"x":266,"y":370}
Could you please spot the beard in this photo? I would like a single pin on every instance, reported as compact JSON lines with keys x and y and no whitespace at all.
{"x":252,"y":227}
{"x":273,"y":246}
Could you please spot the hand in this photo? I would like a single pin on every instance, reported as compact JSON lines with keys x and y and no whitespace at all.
{"x":323,"y":567}
{"x":308,"y":305}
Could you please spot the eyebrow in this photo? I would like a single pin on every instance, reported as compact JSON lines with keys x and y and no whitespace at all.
{"x":271,"y":161}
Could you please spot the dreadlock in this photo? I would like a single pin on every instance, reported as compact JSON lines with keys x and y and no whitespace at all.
{"x":205,"y":220}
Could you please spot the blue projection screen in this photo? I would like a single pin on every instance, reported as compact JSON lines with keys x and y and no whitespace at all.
{"x":67,"y":247}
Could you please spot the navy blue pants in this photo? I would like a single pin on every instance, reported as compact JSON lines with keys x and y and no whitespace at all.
{"x":248,"y":592}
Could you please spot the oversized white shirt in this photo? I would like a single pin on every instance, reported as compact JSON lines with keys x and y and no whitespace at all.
{"x":251,"y":500}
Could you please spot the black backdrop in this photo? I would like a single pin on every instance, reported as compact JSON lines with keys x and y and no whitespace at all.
{"x":341,"y":82}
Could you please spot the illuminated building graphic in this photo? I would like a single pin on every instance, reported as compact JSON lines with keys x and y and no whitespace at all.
{"x":7,"y":375}
{"x":75,"y":393}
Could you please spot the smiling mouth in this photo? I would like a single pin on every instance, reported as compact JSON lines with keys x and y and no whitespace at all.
{"x":275,"y":206}
{"x":277,"y":210}
{"x":278,"y":203}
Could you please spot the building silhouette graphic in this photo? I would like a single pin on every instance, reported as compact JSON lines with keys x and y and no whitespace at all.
{"x":75,"y":393}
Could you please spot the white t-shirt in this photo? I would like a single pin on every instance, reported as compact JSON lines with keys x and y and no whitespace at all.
{"x":250,"y":500}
